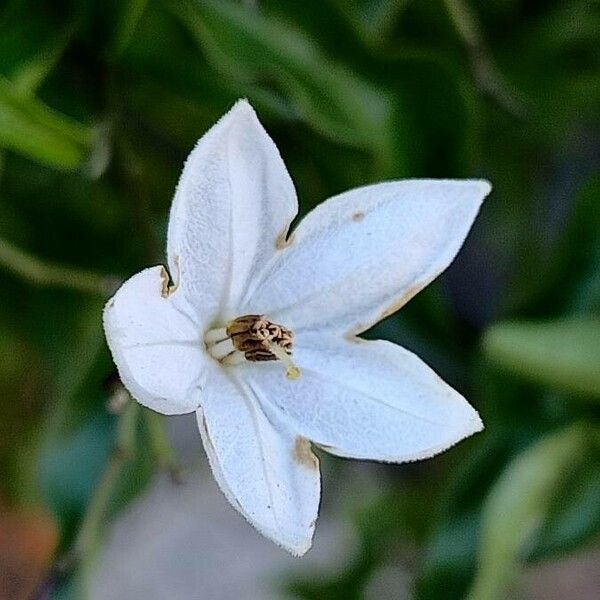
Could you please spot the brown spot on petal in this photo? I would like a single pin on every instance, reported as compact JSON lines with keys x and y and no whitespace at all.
{"x":283,"y":241}
{"x":303,"y":454}
{"x":358,"y":216}
{"x":169,"y":286}
{"x":164,"y":277}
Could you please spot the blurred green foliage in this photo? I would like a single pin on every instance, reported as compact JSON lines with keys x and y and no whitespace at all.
{"x":101,"y":101}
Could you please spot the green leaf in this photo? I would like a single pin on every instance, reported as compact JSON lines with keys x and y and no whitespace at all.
{"x":167,"y":84}
{"x":19,"y":421}
{"x":373,"y":20}
{"x":517,"y":505}
{"x":558,"y":258}
{"x":245,"y":46}
{"x":70,"y":466}
{"x":33,"y":38}
{"x":34,"y":366}
{"x":450,"y":554}
{"x":559,"y":60}
{"x":564,"y":353}
{"x":74,"y":453}
{"x":379,"y":521}
{"x":78,"y":383}
{"x":514,"y":414}
{"x":130,"y":13}
{"x":574,"y":515}
{"x":30,"y":127}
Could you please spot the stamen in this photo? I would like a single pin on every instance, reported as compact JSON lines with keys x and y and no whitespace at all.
{"x":215,"y":335}
{"x":291,"y":370}
{"x":221,"y":349}
{"x":252,"y":338}
{"x":235,"y":358}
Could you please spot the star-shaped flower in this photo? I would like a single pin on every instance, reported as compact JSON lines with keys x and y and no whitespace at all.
{"x":256,"y":330}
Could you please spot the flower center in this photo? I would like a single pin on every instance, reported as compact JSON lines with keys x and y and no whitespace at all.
{"x":252,"y":338}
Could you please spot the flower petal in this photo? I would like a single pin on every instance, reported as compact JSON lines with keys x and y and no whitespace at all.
{"x":363,"y":254}
{"x":156,"y":344}
{"x":234,"y":201}
{"x":269,"y":474}
{"x":364,"y":399}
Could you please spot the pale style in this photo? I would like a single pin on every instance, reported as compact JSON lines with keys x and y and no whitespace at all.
{"x":256,"y":331}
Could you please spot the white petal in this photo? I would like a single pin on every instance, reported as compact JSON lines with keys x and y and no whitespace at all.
{"x":269,"y":474}
{"x":156,"y":344}
{"x":361,"y":399}
{"x":234,"y":201}
{"x":363,"y":254}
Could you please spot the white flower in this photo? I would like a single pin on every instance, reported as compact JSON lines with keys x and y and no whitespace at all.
{"x":181,"y":346}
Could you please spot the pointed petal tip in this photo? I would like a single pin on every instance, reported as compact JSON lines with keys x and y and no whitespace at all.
{"x":296,"y":547}
{"x":476,"y":423}
{"x":472,"y":425}
{"x":295,"y":544}
{"x":485,"y":187}
{"x":241,"y":114}
{"x":242,"y":104}
{"x":478,"y":190}
{"x":287,"y":528}
{"x":470,"y":419}
{"x":299,"y":551}
{"x":242,"y":107}
{"x":480,"y":187}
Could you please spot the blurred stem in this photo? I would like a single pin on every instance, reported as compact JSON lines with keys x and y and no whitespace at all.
{"x":90,"y":533}
{"x":39,"y":272}
{"x":161,"y":445}
{"x":33,"y":73}
{"x":86,"y":545}
{"x":129,"y":16}
{"x":133,"y":177}
{"x":488,"y":77}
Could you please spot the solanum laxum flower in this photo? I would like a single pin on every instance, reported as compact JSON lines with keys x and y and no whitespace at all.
{"x":256,"y":330}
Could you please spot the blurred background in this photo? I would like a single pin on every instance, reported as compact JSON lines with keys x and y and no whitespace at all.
{"x":100,"y":102}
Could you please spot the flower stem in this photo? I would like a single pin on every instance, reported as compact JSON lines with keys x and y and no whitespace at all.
{"x":161,"y":445}
{"x":39,"y":272}
{"x":84,"y":550}
{"x":487,"y":76}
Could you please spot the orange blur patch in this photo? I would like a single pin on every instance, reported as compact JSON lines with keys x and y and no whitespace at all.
{"x":28,"y":542}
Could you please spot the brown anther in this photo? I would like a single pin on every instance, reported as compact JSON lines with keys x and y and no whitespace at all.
{"x":254,"y":335}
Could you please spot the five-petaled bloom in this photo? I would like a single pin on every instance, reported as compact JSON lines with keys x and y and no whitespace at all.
{"x":256,"y":330}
